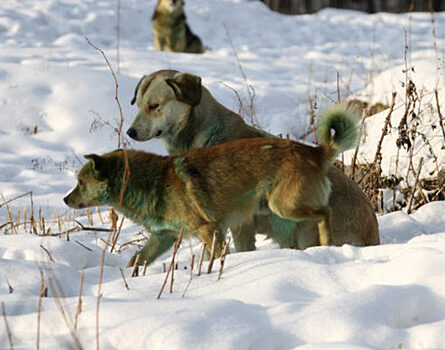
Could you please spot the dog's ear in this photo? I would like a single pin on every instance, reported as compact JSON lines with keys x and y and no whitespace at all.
{"x":187,"y":88}
{"x":133,"y":100}
{"x":100,"y":166}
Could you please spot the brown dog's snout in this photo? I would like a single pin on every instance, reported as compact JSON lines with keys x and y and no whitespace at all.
{"x":132,"y":133}
{"x":66,"y":200}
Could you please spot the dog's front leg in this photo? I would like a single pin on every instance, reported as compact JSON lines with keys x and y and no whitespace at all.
{"x":159,"y":42}
{"x":205,"y":234}
{"x":158,"y":243}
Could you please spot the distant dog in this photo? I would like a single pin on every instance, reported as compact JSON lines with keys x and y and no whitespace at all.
{"x":208,"y":189}
{"x":176,"y":108}
{"x":170,"y":29}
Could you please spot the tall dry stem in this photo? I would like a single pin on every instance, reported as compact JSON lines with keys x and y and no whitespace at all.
{"x":118,"y":36}
{"x":39,"y":306}
{"x":212,"y":252}
{"x":436,"y":93}
{"x":8,"y":330}
{"x":170,"y":268}
{"x":376,"y":164}
{"x":125,"y":178}
{"x":201,"y":258}
{"x":413,"y":190}
{"x":79,"y":301}
{"x":59,"y":304}
{"x":249,"y":88}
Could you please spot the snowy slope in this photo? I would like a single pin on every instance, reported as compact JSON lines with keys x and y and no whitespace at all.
{"x":384,"y":297}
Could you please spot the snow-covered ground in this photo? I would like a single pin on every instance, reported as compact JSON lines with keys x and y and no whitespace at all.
{"x":385,"y":297}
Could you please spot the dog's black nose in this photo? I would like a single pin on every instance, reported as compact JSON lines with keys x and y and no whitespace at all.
{"x":132,"y":133}
{"x":66,"y":200}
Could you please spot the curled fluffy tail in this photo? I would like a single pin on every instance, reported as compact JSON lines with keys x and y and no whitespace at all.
{"x":338,"y":131}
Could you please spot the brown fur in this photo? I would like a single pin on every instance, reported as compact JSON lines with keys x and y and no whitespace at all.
{"x":214,"y":188}
{"x":209,"y":123}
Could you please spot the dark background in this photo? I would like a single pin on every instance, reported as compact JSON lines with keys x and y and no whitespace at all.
{"x":371,"y":6}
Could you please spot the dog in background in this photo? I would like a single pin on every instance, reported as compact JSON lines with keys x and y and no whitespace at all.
{"x":170,"y":29}
{"x":208,"y":189}
{"x":176,"y":108}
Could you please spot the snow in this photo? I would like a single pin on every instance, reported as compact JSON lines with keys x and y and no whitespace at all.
{"x":385,"y":297}
{"x":336,"y":297}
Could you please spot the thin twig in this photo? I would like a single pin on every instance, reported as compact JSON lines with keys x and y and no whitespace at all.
{"x":8,"y":331}
{"x":47,"y":252}
{"x":83,"y":246}
{"x":100,"y":216}
{"x":118,"y":35}
{"x":123,"y":278}
{"x":312,"y":124}
{"x":413,"y":190}
{"x":338,"y":88}
{"x":55,"y":234}
{"x":223,"y":257}
{"x":135,"y":268}
{"x":376,"y":167}
{"x":79,"y":301}
{"x":201,"y":258}
{"x":116,"y":237}
{"x":39,"y":306}
{"x":121,"y":122}
{"x":240,"y":102}
{"x":32,"y":228}
{"x":212,"y":252}
{"x":433,"y":32}
{"x":62,"y":311}
{"x":134,"y":241}
{"x":354,"y":157}
{"x":15,"y":198}
{"x":125,"y":178}
{"x":436,"y":93}
{"x":249,"y":88}
{"x":144,"y":268}
{"x":170,"y":268}
{"x":10,"y":289}
{"x":192,"y":262}
{"x":88,"y":228}
{"x":172,"y":275}
{"x":385,"y":128}
{"x":8,"y":210}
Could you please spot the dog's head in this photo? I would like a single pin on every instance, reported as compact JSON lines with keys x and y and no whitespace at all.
{"x":92,"y":184}
{"x":165,"y":100}
{"x":170,"y":6}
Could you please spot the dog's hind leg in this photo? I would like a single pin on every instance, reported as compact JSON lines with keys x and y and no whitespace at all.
{"x":244,"y":237}
{"x":157,"y":244}
{"x":320,"y":215}
{"x":325,"y":226}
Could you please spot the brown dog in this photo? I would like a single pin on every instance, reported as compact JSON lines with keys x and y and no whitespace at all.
{"x":176,"y":108}
{"x":215,"y":188}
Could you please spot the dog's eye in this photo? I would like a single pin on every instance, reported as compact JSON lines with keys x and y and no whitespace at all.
{"x":80,"y":183}
{"x":152,"y":107}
